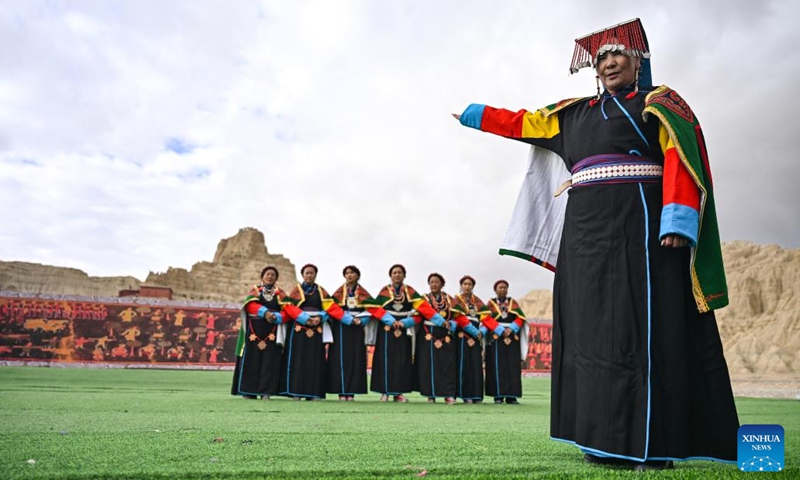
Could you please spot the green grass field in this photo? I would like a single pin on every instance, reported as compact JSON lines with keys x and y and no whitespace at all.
{"x":147,"y":424}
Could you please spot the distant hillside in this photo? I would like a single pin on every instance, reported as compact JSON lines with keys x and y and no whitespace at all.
{"x":236,"y":266}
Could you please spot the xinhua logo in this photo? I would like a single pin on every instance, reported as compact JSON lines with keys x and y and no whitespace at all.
{"x":761,"y":448}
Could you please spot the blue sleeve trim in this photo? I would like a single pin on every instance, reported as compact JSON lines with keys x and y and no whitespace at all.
{"x":408,"y":322}
{"x":302,"y":318}
{"x":499,"y":330}
{"x":261,"y":311}
{"x":437,"y":320}
{"x":514,"y":328}
{"x":278,"y":317}
{"x":473,"y":116}
{"x":471,"y":330}
{"x":387,"y":318}
{"x":483,"y":330}
{"x":677,"y":219}
{"x":347,"y":319}
{"x":324,"y":317}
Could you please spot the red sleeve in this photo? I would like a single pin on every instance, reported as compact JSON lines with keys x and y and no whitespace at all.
{"x":376,"y":312}
{"x":335,"y":311}
{"x":679,"y":186}
{"x":503,"y":122}
{"x":252,"y":308}
{"x":425,"y":309}
{"x":292,"y":311}
{"x":489,"y":322}
{"x":462,"y":321}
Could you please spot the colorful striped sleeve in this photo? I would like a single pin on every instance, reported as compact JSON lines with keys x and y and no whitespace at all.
{"x":519,"y":321}
{"x":332,"y":309}
{"x":534,"y":128}
{"x":681,"y":198}
{"x":491,"y":324}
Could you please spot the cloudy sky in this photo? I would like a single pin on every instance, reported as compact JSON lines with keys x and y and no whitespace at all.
{"x":134,"y":135}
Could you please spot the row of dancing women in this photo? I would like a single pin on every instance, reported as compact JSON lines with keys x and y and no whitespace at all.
{"x":435,"y":344}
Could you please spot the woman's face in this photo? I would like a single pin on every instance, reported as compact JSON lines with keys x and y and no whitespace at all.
{"x":616,"y":70}
{"x":397,"y":275}
{"x":269,"y":277}
{"x":309,"y":275}
{"x":501,"y":290}
{"x":467,"y":286}
{"x":436,"y":284}
{"x":350,"y":276}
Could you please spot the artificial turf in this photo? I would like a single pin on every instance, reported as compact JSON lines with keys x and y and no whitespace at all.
{"x":157,"y":424}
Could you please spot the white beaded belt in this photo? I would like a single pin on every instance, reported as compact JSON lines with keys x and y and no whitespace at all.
{"x":621,"y":172}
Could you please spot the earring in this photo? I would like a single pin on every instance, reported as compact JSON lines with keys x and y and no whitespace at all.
{"x":635,"y":86}
{"x":596,"y":99}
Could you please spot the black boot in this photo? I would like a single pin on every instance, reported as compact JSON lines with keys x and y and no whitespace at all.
{"x":606,"y":461}
{"x":653,"y":465}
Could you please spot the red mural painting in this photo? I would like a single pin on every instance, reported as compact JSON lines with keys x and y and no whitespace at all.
{"x":137,"y":330}
{"x":89,"y":329}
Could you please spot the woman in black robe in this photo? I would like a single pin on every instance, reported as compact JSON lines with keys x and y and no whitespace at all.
{"x":303,"y":372}
{"x":260,"y":346}
{"x":469,"y":342}
{"x":639,"y":376}
{"x":435,"y":357}
{"x":507,"y":324}
{"x":347,"y":355}
{"x":392,"y":360}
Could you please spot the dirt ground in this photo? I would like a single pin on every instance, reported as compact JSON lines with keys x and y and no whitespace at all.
{"x":767,"y":387}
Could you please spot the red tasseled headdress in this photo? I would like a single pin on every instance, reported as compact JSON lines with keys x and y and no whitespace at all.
{"x":626,"y":36}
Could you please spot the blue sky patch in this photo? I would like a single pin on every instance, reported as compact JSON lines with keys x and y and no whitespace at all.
{"x":179,"y":146}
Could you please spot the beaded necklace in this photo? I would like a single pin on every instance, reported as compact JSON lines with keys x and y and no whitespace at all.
{"x":469,"y":302}
{"x":309,"y":289}
{"x":503,"y":304}
{"x":398,"y":293}
{"x":441,"y":305}
{"x":266,"y":292}
{"x":350,"y":299}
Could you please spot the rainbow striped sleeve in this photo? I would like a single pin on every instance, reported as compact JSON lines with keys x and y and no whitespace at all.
{"x":530,"y":127}
{"x":681,"y":197}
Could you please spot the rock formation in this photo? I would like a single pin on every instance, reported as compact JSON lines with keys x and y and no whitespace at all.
{"x":761,"y":326}
{"x":538,"y":305}
{"x":38,"y":278}
{"x":236,"y":267}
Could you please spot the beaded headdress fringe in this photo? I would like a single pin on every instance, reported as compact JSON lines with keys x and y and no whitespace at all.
{"x":628,"y":37}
